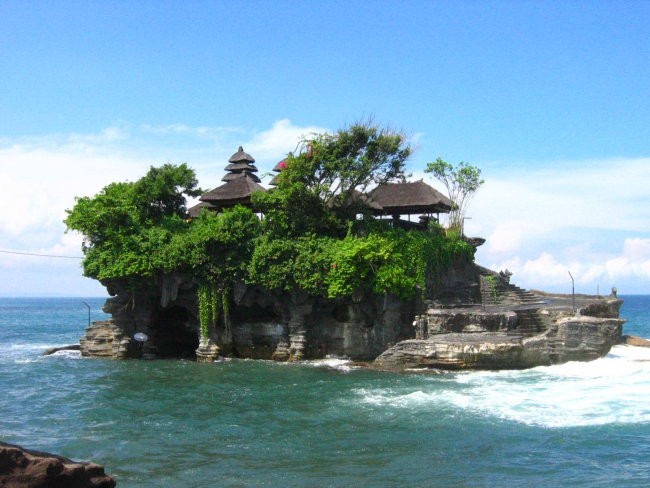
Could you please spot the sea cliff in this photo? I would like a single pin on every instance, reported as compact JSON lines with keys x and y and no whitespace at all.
{"x":476,"y":320}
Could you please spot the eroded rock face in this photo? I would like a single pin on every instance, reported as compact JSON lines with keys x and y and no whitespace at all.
{"x":445,"y":321}
{"x":22,"y":468}
{"x":577,"y":338}
{"x":260,"y":324}
{"x":489,"y":350}
{"x":106,"y":339}
{"x":606,"y":308}
{"x":291,"y":326}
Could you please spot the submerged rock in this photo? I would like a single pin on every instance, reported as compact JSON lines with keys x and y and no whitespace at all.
{"x":22,"y":468}
{"x":54,"y":350}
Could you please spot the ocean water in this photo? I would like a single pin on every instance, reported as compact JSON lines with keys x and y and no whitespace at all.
{"x":324,"y":423}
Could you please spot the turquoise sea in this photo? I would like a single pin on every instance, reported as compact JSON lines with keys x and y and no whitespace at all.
{"x":326,"y":423}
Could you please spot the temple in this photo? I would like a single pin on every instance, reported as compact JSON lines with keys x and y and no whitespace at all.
{"x":387,"y":200}
{"x":465,"y":316}
{"x":240,"y":183}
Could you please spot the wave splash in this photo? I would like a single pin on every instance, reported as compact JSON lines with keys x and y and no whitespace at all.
{"x":610,"y":390}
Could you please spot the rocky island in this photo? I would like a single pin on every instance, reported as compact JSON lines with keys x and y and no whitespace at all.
{"x":318,"y":266}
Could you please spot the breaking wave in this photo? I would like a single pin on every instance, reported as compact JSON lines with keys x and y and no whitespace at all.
{"x":610,"y":390}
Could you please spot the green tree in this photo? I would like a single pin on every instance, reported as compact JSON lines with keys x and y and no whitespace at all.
{"x":318,"y":191}
{"x":163,"y":190}
{"x":135,"y":231}
{"x":216,"y":247}
{"x":128,"y":225}
{"x":461,"y":181}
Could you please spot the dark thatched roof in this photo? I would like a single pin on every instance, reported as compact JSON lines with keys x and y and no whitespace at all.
{"x":234,"y":176}
{"x":356,"y":197}
{"x":240,"y":156}
{"x":194,"y":211}
{"x":241,"y":167}
{"x":409,"y":198}
{"x":237,"y":191}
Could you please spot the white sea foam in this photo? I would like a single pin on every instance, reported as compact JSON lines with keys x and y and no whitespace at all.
{"x":340,"y":364}
{"x":610,"y":390}
{"x":32,"y":352}
{"x":66,"y":354}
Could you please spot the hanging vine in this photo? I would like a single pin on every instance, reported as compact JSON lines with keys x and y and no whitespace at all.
{"x":225,"y":307}
{"x":209,"y":305}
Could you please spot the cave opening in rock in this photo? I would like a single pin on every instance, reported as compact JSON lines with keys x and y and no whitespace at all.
{"x":174,"y":334}
{"x":254,"y":313}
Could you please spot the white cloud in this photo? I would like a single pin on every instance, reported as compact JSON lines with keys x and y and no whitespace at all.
{"x":277,"y":141}
{"x":628,"y":269}
{"x":589,"y":217}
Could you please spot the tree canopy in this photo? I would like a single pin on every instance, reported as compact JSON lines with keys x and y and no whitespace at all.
{"x":127,"y":224}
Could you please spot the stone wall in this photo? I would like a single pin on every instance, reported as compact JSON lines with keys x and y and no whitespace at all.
{"x":445,"y":321}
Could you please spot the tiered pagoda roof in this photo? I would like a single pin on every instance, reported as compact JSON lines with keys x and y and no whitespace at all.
{"x":278,"y":169}
{"x":240,"y":183}
{"x":241,"y":163}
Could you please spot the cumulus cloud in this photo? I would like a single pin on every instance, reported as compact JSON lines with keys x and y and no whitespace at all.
{"x":627,"y":268}
{"x":280,"y":139}
{"x":589,"y":217}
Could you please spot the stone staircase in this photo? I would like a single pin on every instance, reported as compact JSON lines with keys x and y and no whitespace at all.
{"x":529,"y":323}
{"x":497,"y":292}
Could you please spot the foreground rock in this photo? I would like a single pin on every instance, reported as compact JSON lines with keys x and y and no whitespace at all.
{"x":576,"y":338}
{"x":22,"y":468}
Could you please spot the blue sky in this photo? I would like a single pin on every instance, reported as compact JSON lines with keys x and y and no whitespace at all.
{"x":550,"y":99}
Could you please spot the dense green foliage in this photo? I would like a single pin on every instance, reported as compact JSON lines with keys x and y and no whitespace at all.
{"x":309,"y":239}
{"x":127,"y":224}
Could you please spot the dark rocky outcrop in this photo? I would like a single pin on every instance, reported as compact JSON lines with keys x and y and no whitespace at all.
{"x":473,"y":318}
{"x":22,"y":468}
{"x":261,"y":324}
{"x":468,"y":339}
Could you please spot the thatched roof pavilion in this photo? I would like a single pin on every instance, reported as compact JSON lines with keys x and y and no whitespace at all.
{"x":236,"y":191}
{"x":414,"y":197}
{"x":241,"y":183}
